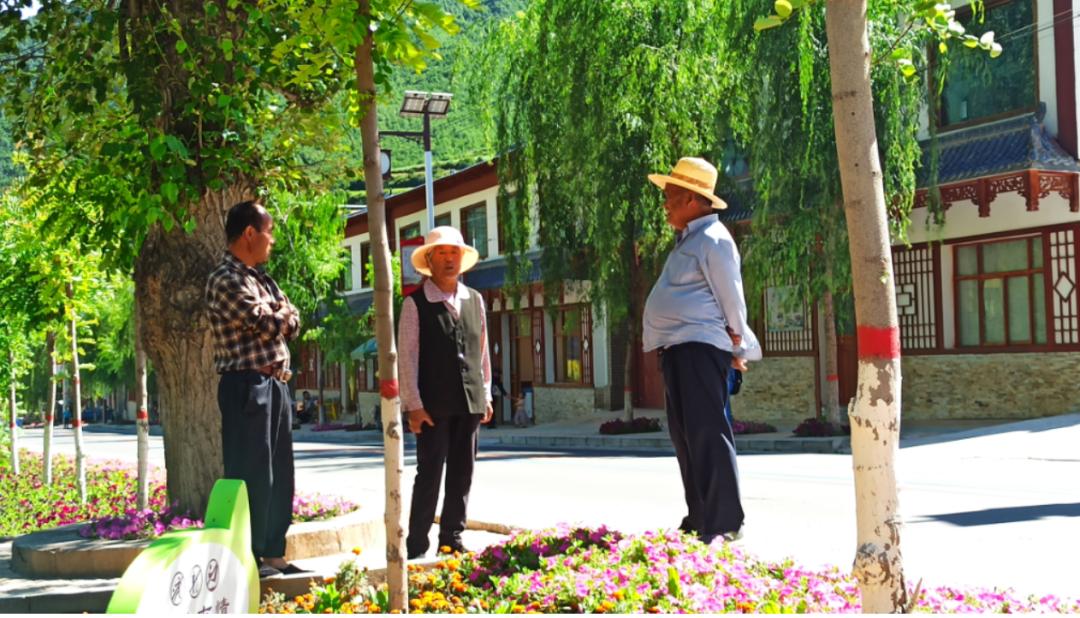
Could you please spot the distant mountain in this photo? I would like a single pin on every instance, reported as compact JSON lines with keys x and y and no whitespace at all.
{"x":457,"y":141}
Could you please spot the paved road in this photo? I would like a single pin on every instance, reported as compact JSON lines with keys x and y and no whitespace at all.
{"x":999,"y":509}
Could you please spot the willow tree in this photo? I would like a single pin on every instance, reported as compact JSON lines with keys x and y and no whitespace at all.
{"x":589,"y":98}
{"x":785,"y":121}
{"x":146,"y":121}
{"x":875,"y":411}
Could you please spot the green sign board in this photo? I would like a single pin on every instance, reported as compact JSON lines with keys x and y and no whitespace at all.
{"x":208,"y":571}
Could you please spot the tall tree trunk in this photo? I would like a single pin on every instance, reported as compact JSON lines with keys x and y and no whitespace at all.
{"x":628,"y":375}
{"x":14,"y":423}
{"x":142,"y":420}
{"x":170,"y":282}
{"x":830,"y":392}
{"x":875,"y":412}
{"x":384,"y":322}
{"x":76,"y":404}
{"x":319,"y":382}
{"x":344,"y":390}
{"x":50,"y":412}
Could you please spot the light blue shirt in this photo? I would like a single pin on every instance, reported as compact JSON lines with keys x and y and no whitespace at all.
{"x":699,"y":293}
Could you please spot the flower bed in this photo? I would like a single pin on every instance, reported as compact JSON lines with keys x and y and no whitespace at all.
{"x":818,"y":428}
{"x":747,"y":427}
{"x":638,"y":425}
{"x":599,"y":571}
{"x":26,"y":505}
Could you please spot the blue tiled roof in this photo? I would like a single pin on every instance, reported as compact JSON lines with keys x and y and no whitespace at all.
{"x":1015,"y":144}
{"x":492,"y":275}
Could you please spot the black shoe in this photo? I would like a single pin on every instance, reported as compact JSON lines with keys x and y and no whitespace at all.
{"x":686,"y":526}
{"x":413,"y":555}
{"x":266,"y":570}
{"x":292,"y":569}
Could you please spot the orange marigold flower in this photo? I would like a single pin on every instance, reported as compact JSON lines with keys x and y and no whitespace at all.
{"x":444,"y":549}
{"x":329,"y":579}
{"x":357,"y":550}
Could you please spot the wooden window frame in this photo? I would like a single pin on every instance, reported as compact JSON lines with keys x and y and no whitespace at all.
{"x":965,"y":12}
{"x":463,"y":216}
{"x":981,"y":276}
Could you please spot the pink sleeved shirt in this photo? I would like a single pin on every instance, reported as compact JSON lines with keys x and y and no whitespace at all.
{"x":409,"y":342}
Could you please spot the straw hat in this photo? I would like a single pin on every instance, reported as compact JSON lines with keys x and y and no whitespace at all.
{"x":697,"y":175}
{"x":446,"y":236}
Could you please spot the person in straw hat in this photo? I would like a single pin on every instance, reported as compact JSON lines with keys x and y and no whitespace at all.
{"x":445,"y":380}
{"x":695,"y":317}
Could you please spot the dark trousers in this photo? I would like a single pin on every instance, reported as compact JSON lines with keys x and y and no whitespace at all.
{"x":451,"y":442}
{"x":256,"y":441}
{"x":695,"y":375}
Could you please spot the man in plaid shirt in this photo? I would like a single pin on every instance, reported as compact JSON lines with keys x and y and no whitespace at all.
{"x":252,"y":322}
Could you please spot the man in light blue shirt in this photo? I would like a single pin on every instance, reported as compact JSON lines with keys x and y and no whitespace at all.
{"x":696,"y":317}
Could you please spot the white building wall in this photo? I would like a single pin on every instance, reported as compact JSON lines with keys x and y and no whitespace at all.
{"x":598,"y":347}
{"x":1044,"y":18}
{"x":1007,"y":212}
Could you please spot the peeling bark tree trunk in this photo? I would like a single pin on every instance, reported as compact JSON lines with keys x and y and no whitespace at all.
{"x":50,"y":412}
{"x":875,"y":412}
{"x":13,"y":423}
{"x":384,"y":323}
{"x":170,"y":282}
{"x":142,"y":421}
{"x":830,"y":392}
{"x":76,"y":405}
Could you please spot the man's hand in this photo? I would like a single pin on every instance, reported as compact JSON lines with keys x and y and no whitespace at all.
{"x":740,"y":364}
{"x":488,"y":413}
{"x":417,"y":418}
{"x":736,"y":339}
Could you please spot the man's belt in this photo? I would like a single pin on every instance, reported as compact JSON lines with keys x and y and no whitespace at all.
{"x":277,"y":371}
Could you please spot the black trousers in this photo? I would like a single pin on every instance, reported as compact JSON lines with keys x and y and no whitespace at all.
{"x":695,"y":375}
{"x":256,"y":441}
{"x":451,"y":443}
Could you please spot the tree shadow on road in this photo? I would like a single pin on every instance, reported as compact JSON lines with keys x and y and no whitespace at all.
{"x":1005,"y":515}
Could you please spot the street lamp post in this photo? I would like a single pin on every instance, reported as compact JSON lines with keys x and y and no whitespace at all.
{"x":426,"y":105}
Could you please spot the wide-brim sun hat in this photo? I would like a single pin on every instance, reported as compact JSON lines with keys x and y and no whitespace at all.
{"x":697,"y":175}
{"x":444,"y":235}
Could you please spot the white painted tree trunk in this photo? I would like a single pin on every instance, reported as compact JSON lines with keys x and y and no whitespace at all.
{"x":13,"y":416}
{"x":76,"y":406}
{"x":142,"y":421}
{"x":830,"y":393}
{"x":875,"y":411}
{"x":394,"y":455}
{"x":50,"y":412}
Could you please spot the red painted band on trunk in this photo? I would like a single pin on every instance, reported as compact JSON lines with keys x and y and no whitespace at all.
{"x":388,"y":389}
{"x":76,"y":423}
{"x":49,"y":419}
{"x":832,"y":378}
{"x":141,"y":415}
{"x":879,"y":342}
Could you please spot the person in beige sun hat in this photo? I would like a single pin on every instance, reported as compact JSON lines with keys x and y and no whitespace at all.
{"x":697,"y":175}
{"x":444,"y":373}
{"x":444,"y":235}
{"x":695,"y":318}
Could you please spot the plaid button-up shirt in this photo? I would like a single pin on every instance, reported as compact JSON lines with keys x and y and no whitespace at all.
{"x":251,"y":318}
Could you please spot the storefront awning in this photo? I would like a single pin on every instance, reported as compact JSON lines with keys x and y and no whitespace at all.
{"x":366,"y":350}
